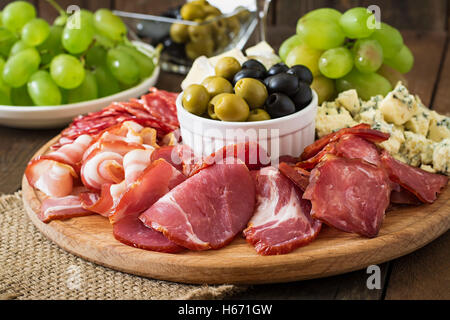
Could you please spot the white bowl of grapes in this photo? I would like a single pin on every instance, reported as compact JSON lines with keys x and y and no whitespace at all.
{"x":82,"y":62}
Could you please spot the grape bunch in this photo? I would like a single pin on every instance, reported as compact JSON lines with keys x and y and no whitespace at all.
{"x":347,"y":51}
{"x":79,"y":57}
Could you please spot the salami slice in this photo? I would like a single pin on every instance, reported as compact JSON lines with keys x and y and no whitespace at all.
{"x":349,"y":194}
{"x":424,"y":185}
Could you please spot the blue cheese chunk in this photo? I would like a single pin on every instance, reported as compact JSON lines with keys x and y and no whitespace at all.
{"x":428,"y":168}
{"x":439,"y":127}
{"x":420,"y":121}
{"x":395,"y":141}
{"x":398,"y":106}
{"x":369,"y":112}
{"x":417,"y":149}
{"x":331,"y":117}
{"x":350,"y":101}
{"x":441,"y":157}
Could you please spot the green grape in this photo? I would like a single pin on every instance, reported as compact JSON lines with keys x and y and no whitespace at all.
{"x":1,"y":18}
{"x":288,"y":45}
{"x":336,"y":63}
{"x":390,"y":40}
{"x":5,"y":100}
{"x":306,"y":56}
{"x":324,"y":88}
{"x":19,"y":46}
{"x":67,"y":71}
{"x":403,"y":61}
{"x":20,"y":67}
{"x":123,"y":67}
{"x":321,"y":34}
{"x":324,"y":13}
{"x":20,"y":96}
{"x":106,"y":83}
{"x":77,"y":37}
{"x":95,"y":56}
{"x":86,"y":91}
{"x":145,"y":63}
{"x":109,"y":25}
{"x":7,"y":40}
{"x":355,"y":24}
{"x":4,"y":89}
{"x":43,"y":90}
{"x":392,"y":75}
{"x":368,"y":55}
{"x":104,"y":41}
{"x":17,"y":14}
{"x":52,"y":46}
{"x":367,"y":84}
{"x":35,"y":32}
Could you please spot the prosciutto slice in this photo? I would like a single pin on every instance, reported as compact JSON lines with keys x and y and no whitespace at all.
{"x":62,"y":208}
{"x":208,"y":209}
{"x":349,"y":194}
{"x":354,"y":147}
{"x":297,"y":175}
{"x":282,"y":220}
{"x":424,"y":185}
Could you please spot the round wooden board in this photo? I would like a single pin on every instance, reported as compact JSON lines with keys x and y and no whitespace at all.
{"x":404,"y":230}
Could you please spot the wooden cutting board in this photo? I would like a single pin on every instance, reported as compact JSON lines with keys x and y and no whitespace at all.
{"x":404,"y":230}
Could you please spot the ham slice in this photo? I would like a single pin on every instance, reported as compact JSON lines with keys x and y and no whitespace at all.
{"x":282,"y":220}
{"x":62,"y":208}
{"x":208,"y":209}
{"x":349,"y":194}
{"x":298,"y":176}
{"x":424,"y":185}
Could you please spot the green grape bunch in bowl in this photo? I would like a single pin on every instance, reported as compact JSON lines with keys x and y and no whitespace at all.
{"x":350,"y":50}
{"x":82,"y":62}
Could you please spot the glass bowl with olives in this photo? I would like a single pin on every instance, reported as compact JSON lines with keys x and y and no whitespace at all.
{"x":274,"y":107}
{"x":194,"y":29}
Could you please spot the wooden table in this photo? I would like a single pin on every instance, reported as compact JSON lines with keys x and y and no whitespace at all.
{"x":424,"y":274}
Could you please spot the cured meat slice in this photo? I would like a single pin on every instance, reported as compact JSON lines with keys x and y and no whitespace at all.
{"x":349,"y":194}
{"x":53,"y":178}
{"x":156,"y":180}
{"x":362,"y":130}
{"x":403,"y":196}
{"x":354,"y":147}
{"x":208,"y":209}
{"x":62,"y":208}
{"x":180,"y":156}
{"x":282,"y":221}
{"x":251,"y":153}
{"x":297,"y":175}
{"x":102,"y":168}
{"x":313,"y":161}
{"x":424,"y":185}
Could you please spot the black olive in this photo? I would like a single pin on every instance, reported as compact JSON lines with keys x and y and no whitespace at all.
{"x":302,"y":73}
{"x":277,"y":68}
{"x":283,"y":83}
{"x":303,"y":97}
{"x":254,"y":64}
{"x":248,"y":73}
{"x":267,"y":81}
{"x":279,"y":105}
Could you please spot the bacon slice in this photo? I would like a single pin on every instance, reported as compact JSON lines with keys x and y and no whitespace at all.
{"x":102,"y":168}
{"x":362,"y":130}
{"x":282,"y":221}
{"x":156,"y":180}
{"x":349,"y":194}
{"x":297,"y":175}
{"x":424,"y":185}
{"x":208,"y":209}
{"x":62,"y":208}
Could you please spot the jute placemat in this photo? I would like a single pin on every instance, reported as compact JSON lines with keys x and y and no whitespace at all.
{"x":32,"y":267}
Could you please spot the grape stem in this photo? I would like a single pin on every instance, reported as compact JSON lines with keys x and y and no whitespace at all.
{"x":57,"y":7}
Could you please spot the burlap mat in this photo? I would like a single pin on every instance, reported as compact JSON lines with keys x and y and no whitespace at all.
{"x":32,"y":267}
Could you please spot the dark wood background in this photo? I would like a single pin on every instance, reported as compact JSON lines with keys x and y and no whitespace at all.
{"x":432,"y":15}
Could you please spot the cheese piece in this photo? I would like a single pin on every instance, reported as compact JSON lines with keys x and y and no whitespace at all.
{"x":439,"y":127}
{"x":420,"y":121}
{"x":264,"y":53}
{"x":369,"y":111}
{"x":201,"y":68}
{"x":350,"y":101}
{"x":441,"y":157}
{"x":417,"y":149}
{"x":428,"y":168}
{"x":396,"y":139}
{"x":398,"y":106}
{"x":331,"y":118}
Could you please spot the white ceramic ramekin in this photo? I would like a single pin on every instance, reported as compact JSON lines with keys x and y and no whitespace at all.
{"x":283,"y":136}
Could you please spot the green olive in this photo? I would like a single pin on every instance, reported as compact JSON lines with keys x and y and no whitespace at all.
{"x":230,"y":107}
{"x":222,"y":40}
{"x":219,"y":27}
{"x":253,"y":91}
{"x":179,"y":33}
{"x":233,"y":24}
{"x":258,"y":115}
{"x":200,"y":32}
{"x":197,"y":49}
{"x":216,"y":85}
{"x":243,"y":14}
{"x":211,"y":104}
{"x":195,"y":99}
{"x":192,"y":11}
{"x":227,"y":67}
{"x":211,"y":10}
